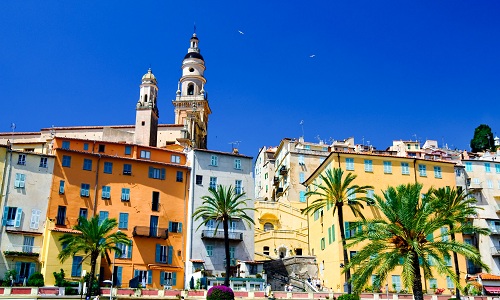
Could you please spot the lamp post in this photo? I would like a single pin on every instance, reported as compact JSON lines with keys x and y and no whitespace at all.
{"x":112,"y":275}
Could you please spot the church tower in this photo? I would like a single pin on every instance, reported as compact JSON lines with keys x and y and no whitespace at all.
{"x":191,"y":101}
{"x":146,"y":116}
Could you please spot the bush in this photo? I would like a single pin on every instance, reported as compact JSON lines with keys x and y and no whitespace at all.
{"x":220,"y":292}
{"x":36,"y":280}
{"x":348,"y":297}
{"x":59,"y":278}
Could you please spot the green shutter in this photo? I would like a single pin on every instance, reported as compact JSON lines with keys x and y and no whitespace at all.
{"x":119,"y":271}
{"x":174,"y":278}
{"x":170,"y":251}
{"x":150,"y":276}
{"x":129,"y":254}
{"x":162,"y":278}
{"x":158,"y":250}
{"x":347,"y":233}
{"x":329,"y":235}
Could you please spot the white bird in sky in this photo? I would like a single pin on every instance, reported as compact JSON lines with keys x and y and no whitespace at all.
{"x":311,"y":56}
{"x":241,"y":32}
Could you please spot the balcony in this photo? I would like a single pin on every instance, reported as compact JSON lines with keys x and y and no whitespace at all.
{"x":276,"y":181}
{"x":495,"y":230}
{"x":152,"y":232}
{"x":279,"y":191}
{"x":495,"y":251}
{"x":283,"y":170}
{"x":22,"y":251}
{"x":219,"y":234}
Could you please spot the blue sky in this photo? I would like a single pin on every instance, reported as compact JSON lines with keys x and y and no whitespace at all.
{"x":381,"y":71}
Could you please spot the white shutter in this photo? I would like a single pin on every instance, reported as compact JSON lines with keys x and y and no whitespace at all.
{"x":35,"y":218}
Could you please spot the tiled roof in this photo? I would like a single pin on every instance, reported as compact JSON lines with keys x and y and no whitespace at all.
{"x":65,"y":230}
{"x":197,"y":260}
{"x":485,"y":276}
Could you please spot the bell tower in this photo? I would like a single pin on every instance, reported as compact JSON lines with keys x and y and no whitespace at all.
{"x":146,"y":116}
{"x":191,"y":101}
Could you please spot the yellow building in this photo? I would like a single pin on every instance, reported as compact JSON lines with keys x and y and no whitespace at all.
{"x":379,"y":171}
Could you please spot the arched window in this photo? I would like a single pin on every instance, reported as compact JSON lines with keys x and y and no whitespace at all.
{"x":268,"y":226}
{"x":265,"y":250}
{"x":191,"y":89}
{"x":146,"y":98}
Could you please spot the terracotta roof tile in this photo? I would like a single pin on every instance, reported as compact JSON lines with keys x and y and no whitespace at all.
{"x":485,"y":276}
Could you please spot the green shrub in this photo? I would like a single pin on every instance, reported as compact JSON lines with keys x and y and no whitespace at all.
{"x":36,"y":280}
{"x":10,"y":273}
{"x":59,"y":277}
{"x":220,"y":292}
{"x":349,"y":297}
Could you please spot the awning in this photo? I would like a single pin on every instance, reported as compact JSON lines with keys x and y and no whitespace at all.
{"x":492,"y":289}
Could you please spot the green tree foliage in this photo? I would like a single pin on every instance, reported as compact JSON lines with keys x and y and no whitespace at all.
{"x":483,"y":139}
{"x":222,"y":205}
{"x":404,"y":237}
{"x":94,"y":240}
{"x":335,"y":191}
{"x":36,"y":279}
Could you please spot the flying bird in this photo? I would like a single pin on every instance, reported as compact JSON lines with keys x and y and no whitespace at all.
{"x":241,"y":32}
{"x":311,"y":56}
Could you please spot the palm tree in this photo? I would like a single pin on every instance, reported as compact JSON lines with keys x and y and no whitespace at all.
{"x":456,"y":206}
{"x":93,"y":240}
{"x":404,"y":238}
{"x":335,"y":191}
{"x":222,"y":205}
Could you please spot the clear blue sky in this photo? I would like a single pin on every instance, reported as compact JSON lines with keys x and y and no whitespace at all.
{"x":382,"y":70}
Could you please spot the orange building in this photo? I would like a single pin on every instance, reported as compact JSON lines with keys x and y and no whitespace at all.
{"x":144,"y":188}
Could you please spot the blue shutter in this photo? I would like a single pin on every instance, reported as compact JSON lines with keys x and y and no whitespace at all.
{"x":19,"y":214}
{"x":32,"y":270}
{"x":346,"y":229}
{"x":162,"y":176}
{"x":162,"y":278}
{"x":179,"y":227}
{"x":5,"y":215}
{"x":119,"y":246}
{"x":18,"y":270}
{"x":136,"y":273}
{"x":118,"y":276}
{"x":129,"y":254}
{"x":151,"y":172}
{"x":170,"y":250}
{"x":174,"y":278}
{"x":150,"y":276}
{"x":169,"y":226}
{"x":158,"y":249}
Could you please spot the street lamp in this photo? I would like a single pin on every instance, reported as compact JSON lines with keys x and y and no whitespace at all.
{"x":112,"y":275}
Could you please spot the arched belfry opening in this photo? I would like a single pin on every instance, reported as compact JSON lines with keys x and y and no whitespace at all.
{"x":190,"y":90}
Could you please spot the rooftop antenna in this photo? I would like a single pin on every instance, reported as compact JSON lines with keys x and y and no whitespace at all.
{"x":194,"y":28}
{"x":363,"y":139}
{"x":237,"y":143}
{"x":415,"y":136}
{"x":302,"y":126}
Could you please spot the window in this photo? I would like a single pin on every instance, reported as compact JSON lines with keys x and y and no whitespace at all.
{"x":35,"y":218}
{"x":65,"y":145}
{"x":449,"y":283}
{"x":437,"y":172}
{"x":405,"y":168}
{"x":301,"y":159}
{"x":199,"y":179}
{"x":497,"y":168}
{"x":237,"y":164}
{"x":368,"y":165}
{"x":422,"y":169}
{"x":444,"y":234}
{"x":126,"y":250}
{"x":155,"y":202}
{"x":101,"y":148}
{"x":213,"y":183}
{"x":76,"y":267}
{"x":370,"y":194}
{"x":43,"y":162}
{"x":85,"y":190}
{"x":125,"y":194}
{"x":468,"y":166}
{"x":487,"y":167}
{"x":20,"y":181}
{"x":179,"y":176}
{"x":12,"y":216}
{"x":433,"y":283}
{"x":28,"y":243}
{"x":268,"y":227}
{"x":322,"y":243}
{"x":123,"y":221}
{"x":175,"y":227}
{"x":210,"y":250}
{"x":396,"y":282}
{"x":106,"y":192}
{"x":214,"y":160}
{"x":66,"y":161}
{"x":21,"y":160}
{"x":302,"y":196}
{"x":103,"y":215}
{"x":301,"y":177}
{"x":164,"y":254}
{"x":61,"y":215}
{"x":447,"y":260}
{"x":145,"y":154}
{"x":331,"y":234}
{"x":83,"y":213}
{"x":156,"y":173}
{"x":128,"y":150}
{"x":351,"y":195}
{"x":349,"y":164}
{"x":87,"y":164}
{"x":175,"y":159}
{"x":108,"y":167}
{"x":85,"y":146}
{"x":387,"y":167}
{"x":168,"y":278}
{"x":145,"y":277}
{"x":307,"y":147}
{"x":237,"y":187}
{"x":127,"y":169}
{"x":351,"y":228}
{"x":61,"y":187}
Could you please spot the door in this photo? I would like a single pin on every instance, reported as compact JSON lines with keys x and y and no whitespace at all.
{"x":153,"y":226}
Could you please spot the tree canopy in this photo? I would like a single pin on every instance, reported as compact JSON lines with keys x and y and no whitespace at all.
{"x":483,"y":139}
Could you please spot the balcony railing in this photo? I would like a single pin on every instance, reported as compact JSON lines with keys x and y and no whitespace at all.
{"x":153,"y":232}
{"x":219,"y":234}
{"x":22,"y":250}
{"x":495,"y":251}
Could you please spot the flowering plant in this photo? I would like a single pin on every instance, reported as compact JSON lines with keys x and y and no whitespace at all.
{"x":220,"y":292}
{"x":439,"y":291}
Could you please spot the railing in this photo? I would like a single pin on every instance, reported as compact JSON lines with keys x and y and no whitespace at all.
{"x":495,"y":251}
{"x":22,"y":250}
{"x":281,"y":234}
{"x":219,"y":234}
{"x":154,"y":232}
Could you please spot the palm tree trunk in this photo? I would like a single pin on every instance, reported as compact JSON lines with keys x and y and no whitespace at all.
{"x":344,"y":249}
{"x":225,"y":223}
{"x":417,"y":279}
{"x":455,"y":261}
{"x":93,"y":262}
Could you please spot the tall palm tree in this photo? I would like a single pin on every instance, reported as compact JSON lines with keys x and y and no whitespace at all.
{"x":403,"y":237}
{"x":455,"y":206}
{"x":335,"y":190}
{"x":94,"y":240}
{"x":222,"y":205}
